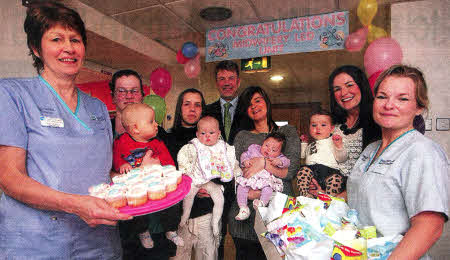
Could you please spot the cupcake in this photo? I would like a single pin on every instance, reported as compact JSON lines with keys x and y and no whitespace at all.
{"x":122,"y":178}
{"x":98,"y":188}
{"x":120,"y":186}
{"x":135,"y":171}
{"x":170,"y":182}
{"x":168,"y":168}
{"x":156,"y":191}
{"x":100,"y":194}
{"x":151,"y":178}
{"x":137,"y":195}
{"x":153,"y":174}
{"x":154,"y":169}
{"x":116,"y":197}
{"x":176,"y":174}
{"x":133,"y":179}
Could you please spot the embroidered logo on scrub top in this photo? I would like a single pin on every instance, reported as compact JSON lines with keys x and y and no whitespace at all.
{"x":97,"y":118}
{"x":51,"y":121}
{"x":47,"y":110}
{"x":386,"y":162}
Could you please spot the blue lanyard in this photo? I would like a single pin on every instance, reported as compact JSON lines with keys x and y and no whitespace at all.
{"x":376,"y":150}
{"x":64,"y":103}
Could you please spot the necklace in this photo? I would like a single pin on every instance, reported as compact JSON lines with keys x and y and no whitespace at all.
{"x":372,"y":159}
{"x":348,"y":131}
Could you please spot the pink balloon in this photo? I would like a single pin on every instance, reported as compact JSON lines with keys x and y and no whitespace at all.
{"x":192,"y":67}
{"x":373,"y":78}
{"x":356,"y":40}
{"x":180,"y":58}
{"x":381,"y":54}
{"x":160,"y":82}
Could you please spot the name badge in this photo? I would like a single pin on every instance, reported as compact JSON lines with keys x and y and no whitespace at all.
{"x":51,"y":121}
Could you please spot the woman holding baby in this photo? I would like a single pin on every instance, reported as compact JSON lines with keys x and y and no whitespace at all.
{"x":255,"y":106}
{"x":351,"y":103}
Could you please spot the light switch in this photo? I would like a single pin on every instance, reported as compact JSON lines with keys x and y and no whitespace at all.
{"x":442,"y":124}
{"x":428,"y":125}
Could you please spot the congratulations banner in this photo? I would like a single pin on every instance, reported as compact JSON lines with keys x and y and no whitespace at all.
{"x":304,"y":34}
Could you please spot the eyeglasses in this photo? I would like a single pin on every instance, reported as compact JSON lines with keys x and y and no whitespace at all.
{"x":123,"y":92}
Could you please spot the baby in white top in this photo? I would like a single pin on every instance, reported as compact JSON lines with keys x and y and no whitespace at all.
{"x":322,"y":158}
{"x":203,"y":159}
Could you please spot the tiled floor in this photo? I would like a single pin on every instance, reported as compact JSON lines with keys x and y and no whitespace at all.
{"x":230,"y":251}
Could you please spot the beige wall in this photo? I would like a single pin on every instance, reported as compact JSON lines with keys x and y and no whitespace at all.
{"x":423,"y":31}
{"x":15,"y":61}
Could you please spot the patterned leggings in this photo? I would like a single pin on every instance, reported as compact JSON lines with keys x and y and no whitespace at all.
{"x":334,"y":183}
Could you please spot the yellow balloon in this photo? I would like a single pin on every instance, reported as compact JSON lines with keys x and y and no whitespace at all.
{"x":375,"y":33}
{"x":366,"y":11}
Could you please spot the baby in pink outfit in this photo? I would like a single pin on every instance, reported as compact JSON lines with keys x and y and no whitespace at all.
{"x":263,"y":180}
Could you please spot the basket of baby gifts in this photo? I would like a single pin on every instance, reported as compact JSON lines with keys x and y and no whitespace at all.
{"x":323,"y":228}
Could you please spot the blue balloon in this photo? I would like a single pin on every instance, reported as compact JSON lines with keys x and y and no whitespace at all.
{"x":189,"y":50}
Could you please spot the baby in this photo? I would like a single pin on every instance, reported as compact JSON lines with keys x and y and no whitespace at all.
{"x":270,"y":150}
{"x":322,"y":157}
{"x":205,"y":158}
{"x":138,"y":147}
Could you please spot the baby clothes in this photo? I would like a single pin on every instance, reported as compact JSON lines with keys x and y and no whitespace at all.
{"x":127,"y":150}
{"x":263,"y":178}
{"x":324,"y":152}
{"x":203,"y":163}
{"x":322,"y":159}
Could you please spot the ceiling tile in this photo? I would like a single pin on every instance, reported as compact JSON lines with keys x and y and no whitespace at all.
{"x":276,"y":10}
{"x":189,"y":10}
{"x":111,"y":7}
{"x":177,"y":43}
{"x":353,"y":4}
{"x":111,"y":54}
{"x":155,"y":22}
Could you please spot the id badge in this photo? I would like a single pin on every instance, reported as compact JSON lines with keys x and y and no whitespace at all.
{"x":51,"y":121}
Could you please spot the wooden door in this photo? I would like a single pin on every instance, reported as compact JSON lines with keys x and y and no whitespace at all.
{"x":295,"y":114}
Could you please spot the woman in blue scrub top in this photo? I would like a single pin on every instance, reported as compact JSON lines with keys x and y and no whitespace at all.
{"x":55,"y":142}
{"x":399,"y":184}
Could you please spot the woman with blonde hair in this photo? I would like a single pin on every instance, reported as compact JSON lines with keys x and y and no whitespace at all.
{"x":399,"y":183}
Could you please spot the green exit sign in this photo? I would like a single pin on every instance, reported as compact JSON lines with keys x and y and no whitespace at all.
{"x":260,"y":64}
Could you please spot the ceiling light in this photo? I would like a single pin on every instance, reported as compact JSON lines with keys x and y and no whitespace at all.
{"x":276,"y":78}
{"x":215,"y":13}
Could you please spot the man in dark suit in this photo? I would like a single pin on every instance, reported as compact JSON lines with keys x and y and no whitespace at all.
{"x":225,"y":109}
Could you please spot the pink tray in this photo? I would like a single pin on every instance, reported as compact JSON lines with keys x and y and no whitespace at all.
{"x":171,"y":199}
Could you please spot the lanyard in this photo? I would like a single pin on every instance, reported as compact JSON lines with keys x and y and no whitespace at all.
{"x":376,"y":150}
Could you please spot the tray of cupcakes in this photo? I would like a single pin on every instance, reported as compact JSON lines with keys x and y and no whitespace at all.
{"x":144,"y":190}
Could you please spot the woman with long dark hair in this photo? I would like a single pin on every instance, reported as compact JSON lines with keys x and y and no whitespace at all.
{"x":351,"y":103}
{"x":256,"y":121}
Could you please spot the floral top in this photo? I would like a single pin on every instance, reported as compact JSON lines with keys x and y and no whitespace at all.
{"x":203,"y":163}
